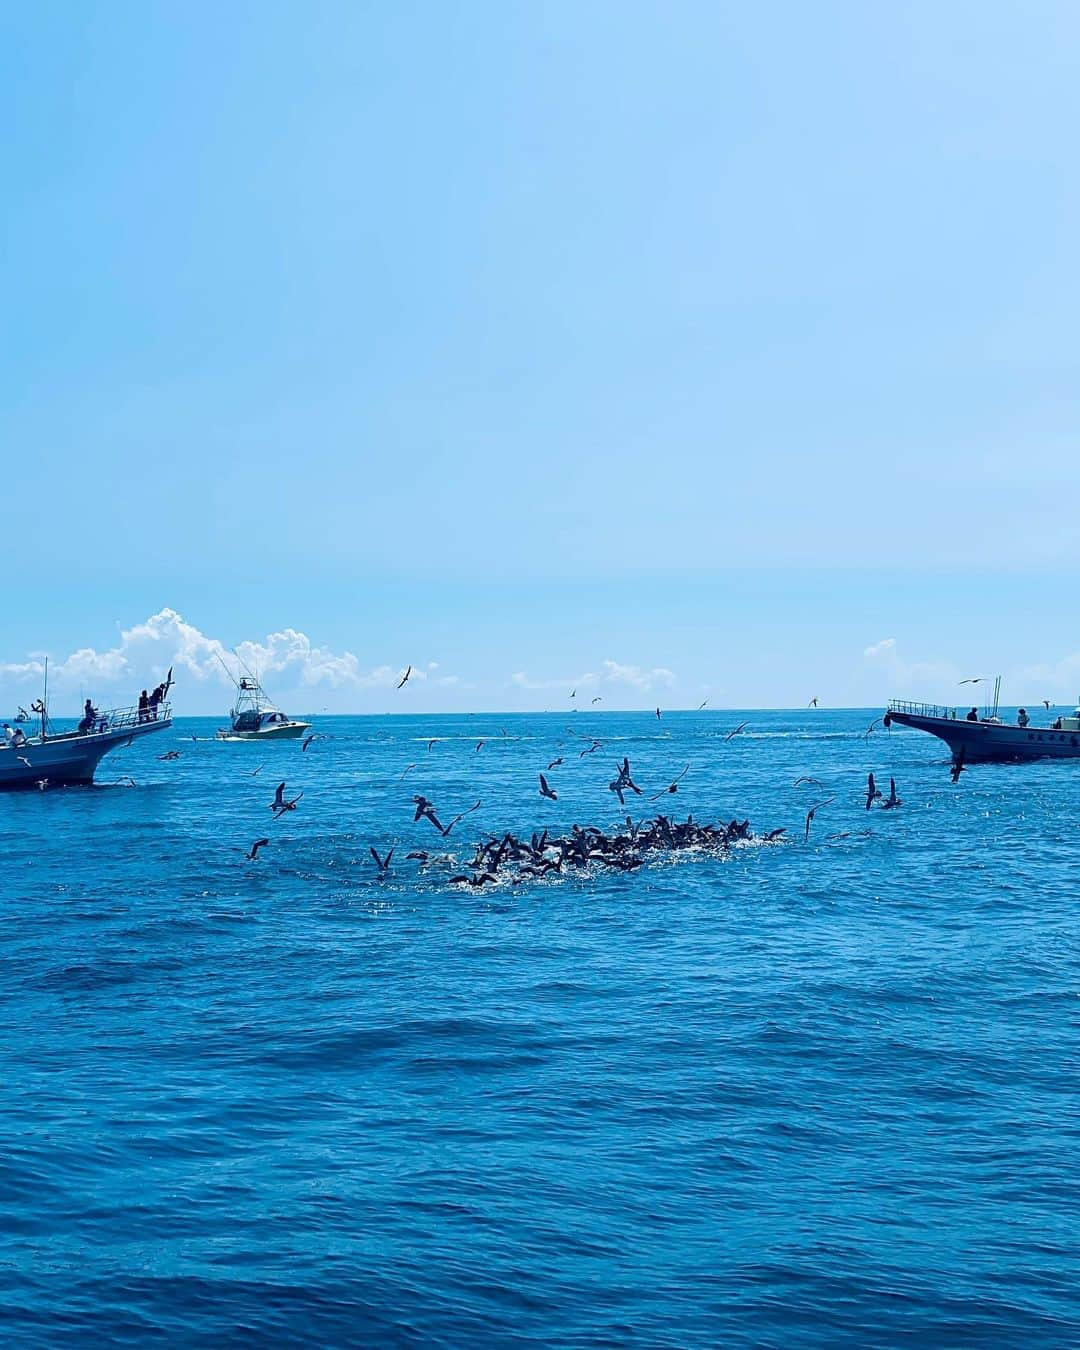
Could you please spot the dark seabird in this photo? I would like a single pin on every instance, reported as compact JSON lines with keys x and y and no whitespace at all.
{"x":382,"y":863}
{"x":736,"y":731}
{"x":673,"y":786}
{"x":804,"y":779}
{"x":252,"y":854}
{"x":812,"y":813}
{"x":280,"y":805}
{"x":461,"y":816}
{"x":405,"y":678}
{"x":170,"y":754}
{"x":623,"y":864}
{"x":545,"y":791}
{"x":892,"y":799}
{"x":623,"y":781}
{"x":426,"y":810}
{"x":873,"y":792}
{"x":812,"y":703}
{"x":555,"y":763}
{"x":957,"y":766}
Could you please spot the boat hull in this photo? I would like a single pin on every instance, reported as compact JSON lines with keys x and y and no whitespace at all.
{"x":989,"y":742}
{"x":283,"y":731}
{"x":68,"y":759}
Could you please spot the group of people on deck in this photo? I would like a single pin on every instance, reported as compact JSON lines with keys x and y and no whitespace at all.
{"x":1022,"y":718}
{"x":92,"y":720}
{"x":148,"y":703}
{"x":147,"y":710}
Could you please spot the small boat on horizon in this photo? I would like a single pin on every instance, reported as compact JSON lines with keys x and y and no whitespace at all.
{"x":986,"y":739}
{"x":255,"y":718}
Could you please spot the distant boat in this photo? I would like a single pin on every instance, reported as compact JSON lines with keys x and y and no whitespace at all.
{"x":255,"y":718}
{"x":69,"y":758}
{"x":987,"y":739}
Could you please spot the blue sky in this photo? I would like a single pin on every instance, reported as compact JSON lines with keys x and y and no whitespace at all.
{"x":721,"y":342}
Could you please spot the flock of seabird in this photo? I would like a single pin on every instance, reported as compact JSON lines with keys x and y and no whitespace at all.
{"x":625,"y":849}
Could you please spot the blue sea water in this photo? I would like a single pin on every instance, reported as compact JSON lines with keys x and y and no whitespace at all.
{"x":816,"y":1093}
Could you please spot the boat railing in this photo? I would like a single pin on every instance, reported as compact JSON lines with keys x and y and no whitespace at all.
{"x":108,"y":721}
{"x":900,"y":705}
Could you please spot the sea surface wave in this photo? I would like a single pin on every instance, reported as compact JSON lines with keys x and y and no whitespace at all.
{"x":814,"y":1093}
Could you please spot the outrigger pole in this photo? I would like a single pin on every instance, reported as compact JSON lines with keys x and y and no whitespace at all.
{"x":226,"y":669}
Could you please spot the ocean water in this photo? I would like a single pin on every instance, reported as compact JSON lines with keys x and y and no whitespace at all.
{"x":815,"y":1093}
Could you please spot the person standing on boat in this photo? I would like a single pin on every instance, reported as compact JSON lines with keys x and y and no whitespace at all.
{"x":1022,"y":719}
{"x":144,"y":707}
{"x":88,"y":716}
{"x":157,"y":696}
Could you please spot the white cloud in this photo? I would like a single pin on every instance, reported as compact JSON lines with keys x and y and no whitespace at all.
{"x":146,"y":651}
{"x":1056,"y":680}
{"x":524,"y":681}
{"x":645,"y":680}
{"x":610,"y":673}
{"x":891,"y":674}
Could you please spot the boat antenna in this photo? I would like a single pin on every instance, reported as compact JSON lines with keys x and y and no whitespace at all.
{"x":45,"y":700}
{"x":253,"y":674}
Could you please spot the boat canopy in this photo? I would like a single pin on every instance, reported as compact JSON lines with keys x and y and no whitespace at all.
{"x":254,"y":719}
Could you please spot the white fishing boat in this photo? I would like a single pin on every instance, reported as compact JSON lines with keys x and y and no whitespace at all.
{"x":255,"y":718}
{"x":58,"y":758}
